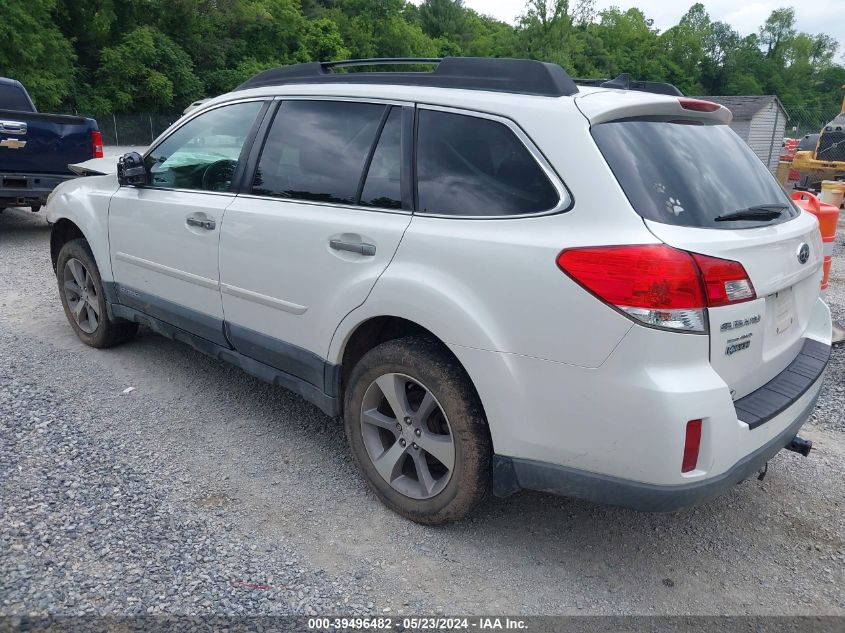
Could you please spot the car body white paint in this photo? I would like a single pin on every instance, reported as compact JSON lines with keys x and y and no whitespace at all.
{"x":563,"y":378}
{"x":311,"y":285}
{"x":85,"y":202}
{"x":152,"y":249}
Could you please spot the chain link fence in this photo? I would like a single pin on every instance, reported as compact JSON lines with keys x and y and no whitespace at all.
{"x":808,"y":120}
{"x":131,"y":129}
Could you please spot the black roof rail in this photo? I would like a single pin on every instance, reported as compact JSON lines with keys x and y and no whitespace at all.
{"x":381,"y":61}
{"x":519,"y":76}
{"x":624,"y":82}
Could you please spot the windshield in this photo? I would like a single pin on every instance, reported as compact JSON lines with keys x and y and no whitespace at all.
{"x":686,"y":173}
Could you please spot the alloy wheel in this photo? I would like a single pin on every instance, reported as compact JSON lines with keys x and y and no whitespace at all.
{"x":407,"y":436}
{"x":81,"y":295}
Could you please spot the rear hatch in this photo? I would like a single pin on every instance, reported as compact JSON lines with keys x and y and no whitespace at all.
{"x":35,"y":143}
{"x":699,"y":188}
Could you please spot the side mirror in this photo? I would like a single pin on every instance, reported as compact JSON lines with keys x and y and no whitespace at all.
{"x":131,"y":170}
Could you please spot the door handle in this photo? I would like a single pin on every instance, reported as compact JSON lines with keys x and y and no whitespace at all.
{"x":208,"y":225}
{"x":362,"y":248}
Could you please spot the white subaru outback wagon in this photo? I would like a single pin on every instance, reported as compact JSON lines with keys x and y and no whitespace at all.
{"x":499,"y":278}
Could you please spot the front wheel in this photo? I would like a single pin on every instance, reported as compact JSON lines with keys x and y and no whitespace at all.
{"x":83,"y":299}
{"x":417,"y":430}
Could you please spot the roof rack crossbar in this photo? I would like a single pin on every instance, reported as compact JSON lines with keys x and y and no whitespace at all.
{"x":624,"y":82}
{"x":518,"y":76}
{"x":381,"y":61}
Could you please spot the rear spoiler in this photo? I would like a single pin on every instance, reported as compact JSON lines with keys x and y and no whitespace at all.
{"x":624,"y":82}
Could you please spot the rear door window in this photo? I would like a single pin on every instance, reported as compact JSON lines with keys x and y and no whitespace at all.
{"x":474,"y":166}
{"x":317,"y":150}
{"x":382,"y":188}
{"x":687,"y":173}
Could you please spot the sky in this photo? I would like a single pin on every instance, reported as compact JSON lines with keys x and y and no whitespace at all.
{"x":812,"y":16}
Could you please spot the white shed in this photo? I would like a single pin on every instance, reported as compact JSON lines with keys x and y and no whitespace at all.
{"x":760,"y":121}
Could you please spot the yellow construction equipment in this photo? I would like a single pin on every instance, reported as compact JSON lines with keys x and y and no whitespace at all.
{"x":827,"y":160}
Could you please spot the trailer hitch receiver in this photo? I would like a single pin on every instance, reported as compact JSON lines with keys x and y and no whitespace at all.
{"x":800,"y":445}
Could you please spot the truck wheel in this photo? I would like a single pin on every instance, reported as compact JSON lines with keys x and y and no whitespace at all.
{"x":417,"y":430}
{"x":83,"y":299}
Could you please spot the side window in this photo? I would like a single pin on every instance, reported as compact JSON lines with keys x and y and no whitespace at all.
{"x":316,"y":150}
{"x":203,"y":154}
{"x":473,"y":166}
{"x":382,"y":186}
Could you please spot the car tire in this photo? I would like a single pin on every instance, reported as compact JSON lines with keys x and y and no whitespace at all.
{"x":84,"y":300}
{"x":405,"y":456}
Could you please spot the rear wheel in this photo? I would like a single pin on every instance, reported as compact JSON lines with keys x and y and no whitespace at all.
{"x":417,"y":431}
{"x":83,"y":299}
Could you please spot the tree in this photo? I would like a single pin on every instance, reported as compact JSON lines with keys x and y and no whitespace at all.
{"x":777,"y":31}
{"x":444,"y":19}
{"x":324,"y":42}
{"x":147,"y":72}
{"x":34,"y":51}
{"x":88,"y":25}
{"x":381,"y":28}
{"x":545,"y":30}
{"x":156,"y":55}
{"x":629,"y":44}
{"x":685,"y":45}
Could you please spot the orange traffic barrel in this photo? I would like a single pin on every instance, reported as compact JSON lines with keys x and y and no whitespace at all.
{"x":827,"y":215}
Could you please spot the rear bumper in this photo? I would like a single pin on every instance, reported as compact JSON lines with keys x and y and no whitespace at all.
{"x":512,"y":474}
{"x":27,"y":189}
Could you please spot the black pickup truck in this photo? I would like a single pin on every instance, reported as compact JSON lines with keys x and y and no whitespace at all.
{"x":36,"y":149}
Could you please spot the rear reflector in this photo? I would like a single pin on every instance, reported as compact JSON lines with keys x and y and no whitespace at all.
{"x":97,"y":143}
{"x":692,"y":445}
{"x":656,"y":284}
{"x":698,"y":105}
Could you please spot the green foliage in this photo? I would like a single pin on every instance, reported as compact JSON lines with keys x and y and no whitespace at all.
{"x":146,"y":72}
{"x":158,"y":55}
{"x":34,"y":51}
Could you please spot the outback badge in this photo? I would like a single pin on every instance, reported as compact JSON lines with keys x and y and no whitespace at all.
{"x":733,"y":348}
{"x":738,"y":344}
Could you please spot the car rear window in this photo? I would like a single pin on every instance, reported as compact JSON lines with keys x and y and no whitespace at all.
{"x":687,"y":173}
{"x":13,"y":98}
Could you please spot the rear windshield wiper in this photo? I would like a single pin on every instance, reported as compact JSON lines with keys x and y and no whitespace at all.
{"x":757,"y":212}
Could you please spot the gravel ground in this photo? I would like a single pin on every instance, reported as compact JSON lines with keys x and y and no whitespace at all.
{"x":204,"y":490}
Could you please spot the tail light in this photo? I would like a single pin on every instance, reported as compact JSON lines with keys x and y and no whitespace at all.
{"x":97,"y":143}
{"x":725,"y":282}
{"x":656,"y":284}
{"x":692,"y":446}
{"x":698,"y":105}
